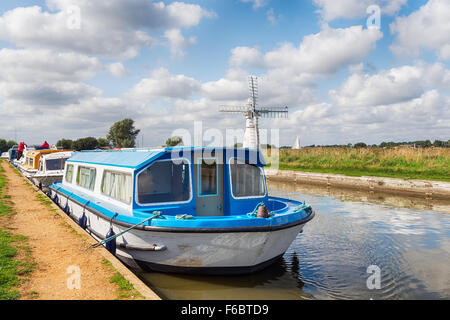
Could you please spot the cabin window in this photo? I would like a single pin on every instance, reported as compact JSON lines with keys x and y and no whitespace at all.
{"x":55,"y":164}
{"x":69,"y":173}
{"x":164,"y":181}
{"x":86,"y":177}
{"x":208,"y":177}
{"x":247,"y":180}
{"x":117,"y":185}
{"x":41,"y":165}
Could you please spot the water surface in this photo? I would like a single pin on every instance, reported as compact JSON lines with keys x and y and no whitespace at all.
{"x":407,"y":238}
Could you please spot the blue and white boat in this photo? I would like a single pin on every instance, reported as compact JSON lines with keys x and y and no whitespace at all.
{"x":182,"y":209}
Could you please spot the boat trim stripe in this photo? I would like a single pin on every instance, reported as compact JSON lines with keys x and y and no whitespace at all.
{"x":192,"y":230}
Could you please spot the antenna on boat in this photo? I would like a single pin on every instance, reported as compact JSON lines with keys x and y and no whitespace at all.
{"x":252,"y":113}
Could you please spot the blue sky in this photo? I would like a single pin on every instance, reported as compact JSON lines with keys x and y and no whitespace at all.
{"x":168,"y":64}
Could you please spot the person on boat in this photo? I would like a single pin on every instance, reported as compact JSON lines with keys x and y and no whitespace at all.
{"x":22,"y":146}
{"x":45,"y":145}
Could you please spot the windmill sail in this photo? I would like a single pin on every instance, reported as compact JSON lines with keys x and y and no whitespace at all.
{"x":252,"y":114}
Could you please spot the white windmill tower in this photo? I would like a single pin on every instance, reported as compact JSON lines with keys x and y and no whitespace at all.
{"x":252,"y":114}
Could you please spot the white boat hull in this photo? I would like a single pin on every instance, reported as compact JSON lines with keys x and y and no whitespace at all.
{"x":45,"y":181}
{"x":193,"y":252}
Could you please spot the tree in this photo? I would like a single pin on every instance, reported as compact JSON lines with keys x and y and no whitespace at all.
{"x":3,"y":146}
{"x":6,"y":145}
{"x":89,"y":143}
{"x":122,"y":134}
{"x":65,"y":144}
{"x":102,"y":143}
{"x":360,"y":145}
{"x":174,"y":141}
{"x":438,"y":143}
{"x":11,"y":143}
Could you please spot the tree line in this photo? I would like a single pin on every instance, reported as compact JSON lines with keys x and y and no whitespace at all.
{"x":416,"y":144}
{"x":122,"y":134}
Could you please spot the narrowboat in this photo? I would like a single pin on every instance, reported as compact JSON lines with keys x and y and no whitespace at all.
{"x":30,"y":164}
{"x":182,"y":209}
{"x":50,"y":169}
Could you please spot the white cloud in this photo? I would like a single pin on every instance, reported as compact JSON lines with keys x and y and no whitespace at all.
{"x":113,"y":28}
{"x":392,"y":86}
{"x":117,"y":69}
{"x":162,"y":84}
{"x":348,"y":46}
{"x":177,"y":42}
{"x":45,"y":78}
{"x":426,"y":28}
{"x":241,"y":56}
{"x":257,"y":3}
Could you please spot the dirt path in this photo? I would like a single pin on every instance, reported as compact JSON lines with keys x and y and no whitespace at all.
{"x":56,"y":249}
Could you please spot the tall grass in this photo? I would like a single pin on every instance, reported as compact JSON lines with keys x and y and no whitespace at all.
{"x":400,"y":162}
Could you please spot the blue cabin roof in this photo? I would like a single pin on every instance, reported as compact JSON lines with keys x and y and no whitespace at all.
{"x":126,"y":159}
{"x":137,"y":159}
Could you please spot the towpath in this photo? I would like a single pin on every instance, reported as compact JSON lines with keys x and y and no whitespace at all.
{"x":65,"y":268}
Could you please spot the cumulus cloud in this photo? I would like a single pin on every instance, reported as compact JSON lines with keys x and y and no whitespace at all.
{"x":177,"y":42}
{"x":325,"y":52}
{"x":391,"y":86}
{"x":241,"y":56}
{"x":117,"y":69}
{"x":113,"y":28}
{"x":426,"y":28}
{"x":163,"y":84}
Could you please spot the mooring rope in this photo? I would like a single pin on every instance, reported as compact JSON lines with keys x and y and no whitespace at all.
{"x":156,"y":214}
{"x":254,"y":213}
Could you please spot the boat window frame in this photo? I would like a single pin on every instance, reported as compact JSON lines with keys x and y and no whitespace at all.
{"x":231,"y":180}
{"x":117,"y":172}
{"x":136,"y":185}
{"x":67,"y":170}
{"x":199,"y":194}
{"x":78,"y":176}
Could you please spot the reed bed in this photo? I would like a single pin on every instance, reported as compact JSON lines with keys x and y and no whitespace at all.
{"x":399,"y":162}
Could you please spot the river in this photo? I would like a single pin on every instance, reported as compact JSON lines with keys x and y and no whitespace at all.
{"x":406,"y":239}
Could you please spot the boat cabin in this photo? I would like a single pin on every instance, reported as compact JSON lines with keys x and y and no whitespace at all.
{"x":54,"y":161}
{"x":208,"y":182}
{"x":32,"y":158}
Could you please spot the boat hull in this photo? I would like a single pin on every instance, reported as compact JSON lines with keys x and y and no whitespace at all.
{"x":194,"y":251}
{"x":45,"y":181}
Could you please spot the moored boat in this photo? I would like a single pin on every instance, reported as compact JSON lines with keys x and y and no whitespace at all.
{"x":50,"y":169}
{"x":189,"y":210}
{"x":29,"y":166}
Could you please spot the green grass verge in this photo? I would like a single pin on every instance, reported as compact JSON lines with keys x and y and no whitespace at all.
{"x":126,"y":288}
{"x":16,"y":260}
{"x":404,"y":163}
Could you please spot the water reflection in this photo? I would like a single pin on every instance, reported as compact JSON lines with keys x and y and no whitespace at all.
{"x":408,"y":238}
{"x":387,"y":199}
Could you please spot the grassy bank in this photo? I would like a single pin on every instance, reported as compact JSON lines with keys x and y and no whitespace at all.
{"x":405,"y":163}
{"x":15,"y":254}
